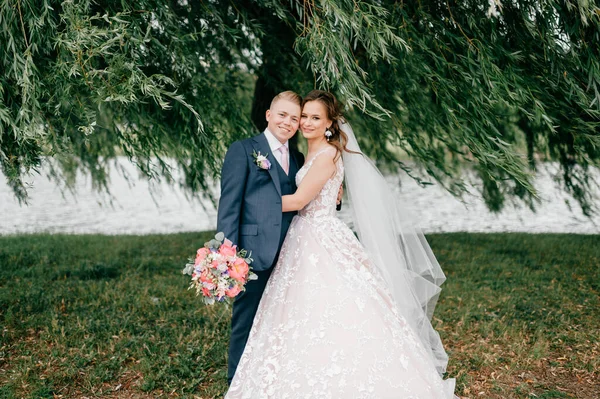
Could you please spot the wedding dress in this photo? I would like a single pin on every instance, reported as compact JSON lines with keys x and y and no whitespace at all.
{"x":327,"y":326}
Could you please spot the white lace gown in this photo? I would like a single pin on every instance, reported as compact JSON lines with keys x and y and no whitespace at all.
{"x":326,"y":327}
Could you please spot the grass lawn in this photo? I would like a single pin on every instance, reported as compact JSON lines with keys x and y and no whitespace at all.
{"x":110,"y":316}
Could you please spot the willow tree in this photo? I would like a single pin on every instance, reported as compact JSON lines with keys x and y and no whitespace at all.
{"x":449,"y":83}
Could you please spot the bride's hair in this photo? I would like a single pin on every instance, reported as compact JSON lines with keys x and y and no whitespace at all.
{"x":338,"y":138}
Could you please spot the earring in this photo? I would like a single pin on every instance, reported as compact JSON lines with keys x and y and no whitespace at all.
{"x":328,"y":134}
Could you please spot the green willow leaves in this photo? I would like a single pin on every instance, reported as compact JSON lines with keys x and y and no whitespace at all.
{"x":456,"y":85}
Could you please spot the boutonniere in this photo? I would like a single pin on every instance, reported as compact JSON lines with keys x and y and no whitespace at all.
{"x":261,"y":160}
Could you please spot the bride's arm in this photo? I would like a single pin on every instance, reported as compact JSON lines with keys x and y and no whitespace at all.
{"x":320,"y":171}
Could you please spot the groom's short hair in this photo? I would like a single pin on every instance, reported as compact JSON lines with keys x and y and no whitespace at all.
{"x":287,"y":95}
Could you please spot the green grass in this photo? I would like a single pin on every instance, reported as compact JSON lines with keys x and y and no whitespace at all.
{"x":110,"y":316}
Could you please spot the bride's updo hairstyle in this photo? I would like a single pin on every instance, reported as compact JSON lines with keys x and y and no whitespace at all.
{"x":338,"y":138}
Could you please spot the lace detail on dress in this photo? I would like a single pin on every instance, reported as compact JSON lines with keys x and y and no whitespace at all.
{"x":325,"y":202}
{"x":327,"y":327}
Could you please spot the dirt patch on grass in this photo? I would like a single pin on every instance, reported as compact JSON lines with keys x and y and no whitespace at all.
{"x":552,"y":377}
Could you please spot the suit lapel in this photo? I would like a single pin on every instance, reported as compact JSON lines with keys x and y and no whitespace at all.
{"x":262,"y":145}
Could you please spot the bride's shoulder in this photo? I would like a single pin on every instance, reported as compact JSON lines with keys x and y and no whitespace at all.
{"x":329,"y":151}
{"x":326,"y":154}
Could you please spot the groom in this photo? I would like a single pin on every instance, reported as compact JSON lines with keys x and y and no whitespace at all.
{"x":250,"y":206}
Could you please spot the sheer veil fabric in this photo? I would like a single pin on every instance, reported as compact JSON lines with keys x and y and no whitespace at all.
{"x":396,"y":246}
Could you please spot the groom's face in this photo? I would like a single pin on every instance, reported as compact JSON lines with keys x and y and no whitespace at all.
{"x":283,"y":119}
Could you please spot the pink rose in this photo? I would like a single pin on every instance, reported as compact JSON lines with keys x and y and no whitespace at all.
{"x":233,"y":291}
{"x":206,"y":292}
{"x":227,"y":249}
{"x":201,"y":255}
{"x":239,"y":270}
{"x":204,"y":277}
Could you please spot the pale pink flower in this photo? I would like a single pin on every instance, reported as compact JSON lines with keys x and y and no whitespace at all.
{"x":227,"y":249}
{"x":201,"y":255}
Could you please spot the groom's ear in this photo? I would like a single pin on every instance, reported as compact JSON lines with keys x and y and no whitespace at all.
{"x":268,"y":114}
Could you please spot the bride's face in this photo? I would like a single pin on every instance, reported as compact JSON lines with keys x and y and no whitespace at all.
{"x":314,"y":120}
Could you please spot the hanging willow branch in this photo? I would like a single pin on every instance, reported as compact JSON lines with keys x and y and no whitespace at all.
{"x":449,"y":83}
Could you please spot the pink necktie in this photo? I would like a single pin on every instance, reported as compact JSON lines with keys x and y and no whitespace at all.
{"x":285,"y":162}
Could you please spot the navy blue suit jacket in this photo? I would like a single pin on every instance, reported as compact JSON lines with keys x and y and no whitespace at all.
{"x":249,"y":211}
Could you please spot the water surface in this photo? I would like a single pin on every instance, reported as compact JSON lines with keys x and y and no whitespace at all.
{"x":135,"y":211}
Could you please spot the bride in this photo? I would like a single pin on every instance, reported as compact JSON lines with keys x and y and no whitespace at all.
{"x":343,"y":318}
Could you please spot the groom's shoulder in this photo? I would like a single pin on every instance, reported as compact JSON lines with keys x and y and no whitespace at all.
{"x":246,"y":143}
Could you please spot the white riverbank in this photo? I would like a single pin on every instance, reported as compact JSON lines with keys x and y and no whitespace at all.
{"x":136,"y":211}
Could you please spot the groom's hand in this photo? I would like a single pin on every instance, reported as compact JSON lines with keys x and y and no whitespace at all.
{"x":339,"y":197}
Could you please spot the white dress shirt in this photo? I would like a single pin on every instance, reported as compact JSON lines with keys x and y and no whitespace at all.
{"x":275,"y":144}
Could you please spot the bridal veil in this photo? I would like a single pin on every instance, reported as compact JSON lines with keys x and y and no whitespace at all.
{"x":396,"y":246}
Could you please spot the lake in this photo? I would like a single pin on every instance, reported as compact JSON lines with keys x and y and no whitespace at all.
{"x":134,"y":210}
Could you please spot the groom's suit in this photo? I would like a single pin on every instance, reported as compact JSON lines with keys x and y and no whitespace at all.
{"x":250,"y":216}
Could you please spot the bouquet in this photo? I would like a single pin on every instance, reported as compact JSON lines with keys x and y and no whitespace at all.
{"x":219,"y":271}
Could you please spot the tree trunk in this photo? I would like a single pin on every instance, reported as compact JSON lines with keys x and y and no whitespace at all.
{"x":279,"y":65}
